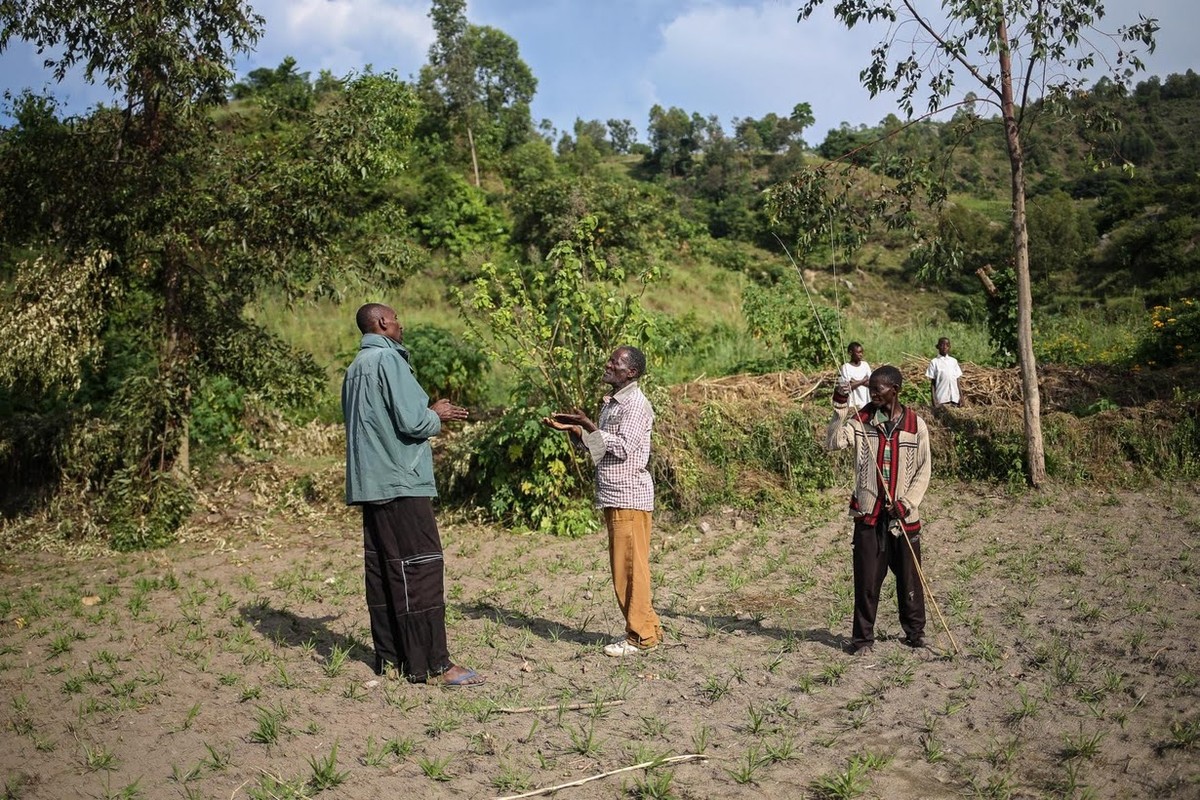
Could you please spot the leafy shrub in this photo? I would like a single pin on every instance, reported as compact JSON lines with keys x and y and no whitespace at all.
{"x":965,"y":308}
{"x":633,"y":222}
{"x":217,"y":410}
{"x":1002,"y":316}
{"x":522,"y":474}
{"x":145,"y":512}
{"x":1173,"y":337}
{"x":449,"y":365}
{"x":555,"y":328}
{"x":454,"y":216}
{"x":795,"y":330}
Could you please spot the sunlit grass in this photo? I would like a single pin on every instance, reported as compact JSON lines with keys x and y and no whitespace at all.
{"x":702,"y":300}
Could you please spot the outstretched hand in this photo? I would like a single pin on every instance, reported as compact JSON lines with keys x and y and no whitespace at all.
{"x":575,"y":417}
{"x":551,"y":422}
{"x":447,"y":411}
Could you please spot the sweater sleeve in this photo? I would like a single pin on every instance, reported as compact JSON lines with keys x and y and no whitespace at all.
{"x":838,"y":433}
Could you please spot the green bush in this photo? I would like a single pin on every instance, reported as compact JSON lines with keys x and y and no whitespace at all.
{"x":965,"y":308}
{"x":554,"y":326}
{"x":1002,"y":317}
{"x":449,"y":365}
{"x":217,"y":410}
{"x":522,"y":474}
{"x":452,"y":215}
{"x":145,"y":512}
{"x":1173,"y":337}
{"x":798,"y":333}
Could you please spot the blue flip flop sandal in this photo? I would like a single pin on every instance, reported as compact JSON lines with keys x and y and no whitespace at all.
{"x":468,"y":678}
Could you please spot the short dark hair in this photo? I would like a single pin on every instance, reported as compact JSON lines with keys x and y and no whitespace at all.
{"x":637,"y":359}
{"x":888,"y":374}
{"x":853,"y":345}
{"x":366,"y":316}
{"x":945,"y":339}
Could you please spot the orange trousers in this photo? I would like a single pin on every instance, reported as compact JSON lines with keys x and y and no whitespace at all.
{"x":629,"y":554}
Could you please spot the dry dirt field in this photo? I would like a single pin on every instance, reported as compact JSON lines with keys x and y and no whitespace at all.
{"x":237,"y":664}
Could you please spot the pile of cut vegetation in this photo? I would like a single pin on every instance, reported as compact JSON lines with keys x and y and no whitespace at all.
{"x":755,"y":441}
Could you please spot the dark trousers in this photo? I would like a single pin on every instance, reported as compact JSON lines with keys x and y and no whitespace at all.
{"x":405,"y":592}
{"x":875,"y":552}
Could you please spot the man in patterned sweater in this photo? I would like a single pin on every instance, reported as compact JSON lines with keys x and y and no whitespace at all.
{"x":619,"y":446}
{"x":891,"y":474}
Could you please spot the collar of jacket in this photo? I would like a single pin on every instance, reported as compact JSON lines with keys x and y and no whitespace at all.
{"x":379,"y":340}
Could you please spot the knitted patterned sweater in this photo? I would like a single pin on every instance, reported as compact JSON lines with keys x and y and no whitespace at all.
{"x":907,"y":465}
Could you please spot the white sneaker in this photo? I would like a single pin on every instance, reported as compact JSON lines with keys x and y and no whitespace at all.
{"x":624,"y":647}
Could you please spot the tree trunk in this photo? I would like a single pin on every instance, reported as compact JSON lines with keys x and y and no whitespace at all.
{"x":474,"y":158}
{"x":1035,"y":453}
{"x":175,"y":374}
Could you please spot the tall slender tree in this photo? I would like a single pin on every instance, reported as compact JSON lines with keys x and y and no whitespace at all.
{"x":1015,"y":52}
{"x":452,"y":68}
{"x":476,"y":81}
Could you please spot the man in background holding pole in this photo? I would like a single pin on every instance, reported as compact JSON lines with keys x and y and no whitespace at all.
{"x":891,"y":475}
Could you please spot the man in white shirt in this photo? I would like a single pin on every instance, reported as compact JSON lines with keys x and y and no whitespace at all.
{"x":943,"y":374}
{"x":856,"y":373}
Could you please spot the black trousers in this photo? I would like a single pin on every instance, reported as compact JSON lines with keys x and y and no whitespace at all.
{"x":405,"y":588}
{"x":875,"y":552}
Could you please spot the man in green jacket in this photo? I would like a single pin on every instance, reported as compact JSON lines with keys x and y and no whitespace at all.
{"x":389,"y":472}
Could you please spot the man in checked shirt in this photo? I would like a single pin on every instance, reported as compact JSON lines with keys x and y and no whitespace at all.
{"x":619,"y":446}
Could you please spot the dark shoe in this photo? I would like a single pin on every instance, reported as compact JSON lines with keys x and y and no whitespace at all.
{"x":861,"y":649}
{"x":378,"y":665}
{"x":915,"y":641}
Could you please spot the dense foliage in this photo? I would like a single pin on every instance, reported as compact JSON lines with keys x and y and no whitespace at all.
{"x":133,"y":240}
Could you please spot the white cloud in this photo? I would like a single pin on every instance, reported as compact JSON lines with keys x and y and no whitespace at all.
{"x":345,"y":35}
{"x":751,"y":60}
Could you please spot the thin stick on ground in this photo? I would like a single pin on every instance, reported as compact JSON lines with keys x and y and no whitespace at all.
{"x":572,"y":707}
{"x":928,"y":592}
{"x":644,"y":765}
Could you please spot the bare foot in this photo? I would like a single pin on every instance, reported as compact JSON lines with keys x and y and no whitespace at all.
{"x":459,"y":676}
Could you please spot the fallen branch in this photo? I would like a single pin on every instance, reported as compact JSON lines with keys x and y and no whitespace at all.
{"x":984,"y":274}
{"x":572,"y":707}
{"x":808,"y":391}
{"x":582,"y":781}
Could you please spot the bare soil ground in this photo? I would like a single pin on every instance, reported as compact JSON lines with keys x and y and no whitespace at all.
{"x":237,"y":664}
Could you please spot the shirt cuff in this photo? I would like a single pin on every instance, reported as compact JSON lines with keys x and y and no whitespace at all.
{"x":594,"y":442}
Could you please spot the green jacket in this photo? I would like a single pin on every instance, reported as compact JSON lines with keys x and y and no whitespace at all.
{"x":388,"y":426}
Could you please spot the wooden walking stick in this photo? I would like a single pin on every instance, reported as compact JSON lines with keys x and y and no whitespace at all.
{"x":916,"y":562}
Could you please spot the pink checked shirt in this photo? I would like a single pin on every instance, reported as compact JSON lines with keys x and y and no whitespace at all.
{"x":620,"y":449}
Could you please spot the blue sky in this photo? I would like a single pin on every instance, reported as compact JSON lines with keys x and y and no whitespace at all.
{"x":617,"y":58}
